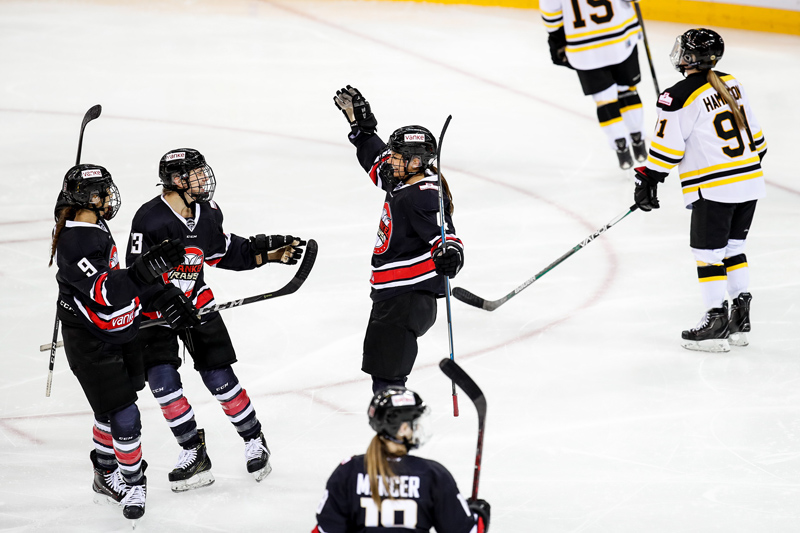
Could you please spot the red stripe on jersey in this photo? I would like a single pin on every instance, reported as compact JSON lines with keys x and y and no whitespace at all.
{"x":102,"y":437}
{"x":315,"y":530}
{"x":176,"y":408}
{"x":154,"y":315}
{"x":385,"y":276}
{"x":373,"y":172}
{"x":203,"y":298}
{"x":212,"y":262}
{"x":97,"y":289}
{"x":116,"y":322}
{"x":129,"y":458}
{"x":237,"y":404}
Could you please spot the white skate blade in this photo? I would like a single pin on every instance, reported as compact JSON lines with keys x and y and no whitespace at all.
{"x":261,"y":474}
{"x":201,"y":479}
{"x":134,"y":522}
{"x":739,"y":339}
{"x":710,"y":345}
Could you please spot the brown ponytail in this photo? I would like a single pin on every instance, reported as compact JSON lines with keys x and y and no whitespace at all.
{"x":726,"y":95}
{"x":446,"y":191}
{"x":68,"y":213}
{"x":376,"y":461}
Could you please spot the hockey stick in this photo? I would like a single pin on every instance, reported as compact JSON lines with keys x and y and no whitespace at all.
{"x":299,"y":278}
{"x":443,"y":223}
{"x":490,"y":305}
{"x":646,"y":45}
{"x":457,"y":374}
{"x":90,"y":115}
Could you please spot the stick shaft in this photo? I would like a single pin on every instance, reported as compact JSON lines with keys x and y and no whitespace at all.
{"x":647,"y":46}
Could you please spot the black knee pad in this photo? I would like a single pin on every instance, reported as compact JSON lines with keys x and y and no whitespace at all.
{"x":126,"y":423}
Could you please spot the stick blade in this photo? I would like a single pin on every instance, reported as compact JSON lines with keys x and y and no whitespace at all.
{"x":466,"y":383}
{"x":469,"y":298}
{"x":309,"y":258}
{"x":91,"y":114}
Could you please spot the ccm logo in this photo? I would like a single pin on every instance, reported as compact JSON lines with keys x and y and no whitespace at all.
{"x":414,"y":137}
{"x":123,"y":320}
{"x":91,"y":173}
{"x":176,"y":155}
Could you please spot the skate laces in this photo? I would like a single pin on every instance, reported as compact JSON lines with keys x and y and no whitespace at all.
{"x":115,"y":482}
{"x":253,"y":449}
{"x":703,"y":322}
{"x":135,"y":497}
{"x":186,"y":458}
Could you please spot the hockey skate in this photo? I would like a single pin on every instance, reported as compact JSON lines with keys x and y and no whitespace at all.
{"x":623,"y":154}
{"x":133,"y":502}
{"x":711,"y":334}
{"x":639,"y":148}
{"x":740,"y":319}
{"x":108,"y":485}
{"x":193,"y":469}
{"x":257,"y":454}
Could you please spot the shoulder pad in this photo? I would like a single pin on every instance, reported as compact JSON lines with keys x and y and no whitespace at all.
{"x":676,"y":97}
{"x":346,"y":460}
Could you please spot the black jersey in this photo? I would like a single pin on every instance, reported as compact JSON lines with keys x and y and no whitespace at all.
{"x":93,"y":290}
{"x":409,"y":230}
{"x":424,"y":495}
{"x":205,"y":241}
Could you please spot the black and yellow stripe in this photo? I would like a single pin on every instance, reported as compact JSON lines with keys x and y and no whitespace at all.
{"x":722,"y":174}
{"x":715,"y":272}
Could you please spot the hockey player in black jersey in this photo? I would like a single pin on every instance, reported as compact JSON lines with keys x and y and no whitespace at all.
{"x":99,"y":306}
{"x":185,"y":211}
{"x":388,"y":490}
{"x":707,"y":128}
{"x":408,"y":262}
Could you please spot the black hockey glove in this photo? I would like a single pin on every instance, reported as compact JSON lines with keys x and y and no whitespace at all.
{"x":448,"y":262}
{"x":158,"y":260}
{"x":645,"y":193}
{"x":276,"y":249}
{"x":176,"y":308}
{"x":558,"y":48}
{"x":357,"y":111}
{"x":481,"y":510}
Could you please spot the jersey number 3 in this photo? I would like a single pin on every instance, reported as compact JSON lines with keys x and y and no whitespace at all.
{"x":388,"y":513}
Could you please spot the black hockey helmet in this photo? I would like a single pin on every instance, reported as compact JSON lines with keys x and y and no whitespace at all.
{"x":90,"y":186}
{"x":189,"y":165}
{"x":698,"y":48}
{"x":391,"y":408}
{"x":414,"y":141}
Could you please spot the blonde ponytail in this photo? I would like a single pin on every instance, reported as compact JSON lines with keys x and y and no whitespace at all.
{"x":377,"y":464}
{"x":726,"y":95}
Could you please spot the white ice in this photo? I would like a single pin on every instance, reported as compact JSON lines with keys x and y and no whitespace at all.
{"x":598,"y":420}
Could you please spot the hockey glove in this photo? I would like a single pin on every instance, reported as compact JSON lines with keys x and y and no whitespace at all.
{"x":357,"y":110}
{"x":645,"y":193}
{"x":276,"y":249}
{"x":176,"y":308}
{"x":558,"y":48}
{"x":448,"y":262}
{"x":480,"y":510}
{"x":158,"y":260}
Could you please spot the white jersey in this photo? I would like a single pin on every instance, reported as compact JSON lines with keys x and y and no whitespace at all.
{"x":696,"y":131}
{"x":599,"y":32}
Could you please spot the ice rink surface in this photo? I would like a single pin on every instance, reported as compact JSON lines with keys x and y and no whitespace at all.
{"x":598,"y":420}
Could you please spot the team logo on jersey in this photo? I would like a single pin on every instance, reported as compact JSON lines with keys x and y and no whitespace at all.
{"x":175,"y":155}
{"x":185,"y":275}
{"x":414,"y":137}
{"x":384,"y":230}
{"x":665,"y":98}
{"x":93,"y":173}
{"x":113,"y":262}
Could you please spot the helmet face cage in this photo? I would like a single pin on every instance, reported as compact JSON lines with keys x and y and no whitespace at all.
{"x":413,"y":141}
{"x":190,"y":167}
{"x":91,"y":187}
{"x":697,"y":49}
{"x":393,"y":407}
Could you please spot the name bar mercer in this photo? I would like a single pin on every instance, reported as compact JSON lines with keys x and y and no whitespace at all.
{"x":399,"y":486}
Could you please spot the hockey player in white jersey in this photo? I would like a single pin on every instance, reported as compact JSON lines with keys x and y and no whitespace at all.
{"x":707,"y":128}
{"x":598,"y":39}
